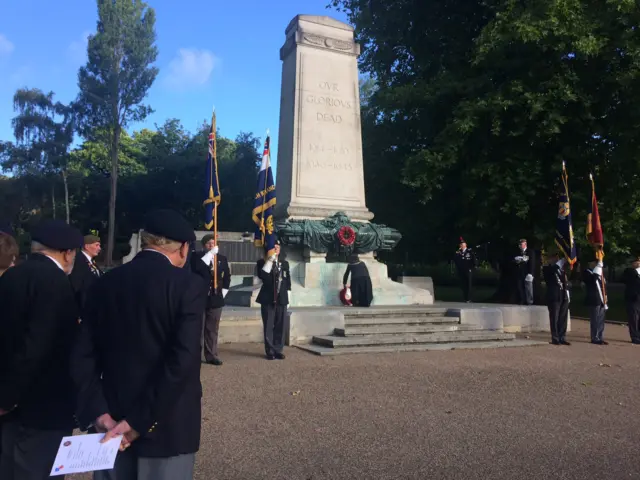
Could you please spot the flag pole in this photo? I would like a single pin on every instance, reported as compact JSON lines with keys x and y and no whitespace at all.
{"x":598,"y":249}
{"x":215,"y":202}
{"x":264,"y":197}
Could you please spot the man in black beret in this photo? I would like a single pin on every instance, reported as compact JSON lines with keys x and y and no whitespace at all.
{"x":37,"y":330}
{"x":137,"y":363}
{"x":558,"y":297}
{"x":85,"y":270}
{"x":273,"y":299}
{"x":203,"y":265}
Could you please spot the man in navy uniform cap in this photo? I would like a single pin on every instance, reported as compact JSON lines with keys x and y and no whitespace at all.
{"x":37,"y":330}
{"x":273,"y":299}
{"x":465,"y":261}
{"x":85,"y":271}
{"x":137,"y":363}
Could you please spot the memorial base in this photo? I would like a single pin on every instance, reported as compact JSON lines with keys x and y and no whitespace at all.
{"x":316,"y":283}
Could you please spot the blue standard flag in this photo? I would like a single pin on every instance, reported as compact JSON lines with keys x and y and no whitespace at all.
{"x":265,"y":200}
{"x":564,"y":226}
{"x":212,"y":186}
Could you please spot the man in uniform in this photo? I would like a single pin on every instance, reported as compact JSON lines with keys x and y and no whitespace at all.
{"x":203,"y":265}
{"x":558,"y":298}
{"x":37,"y":330}
{"x":631,"y":280}
{"x":595,"y":300}
{"x":85,"y":271}
{"x":273,"y":299}
{"x":137,"y":362}
{"x":525,"y":267}
{"x":465,"y":261}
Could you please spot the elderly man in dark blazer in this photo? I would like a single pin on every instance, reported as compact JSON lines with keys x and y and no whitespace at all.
{"x":85,"y":270}
{"x":38,"y":326}
{"x":137,"y":363}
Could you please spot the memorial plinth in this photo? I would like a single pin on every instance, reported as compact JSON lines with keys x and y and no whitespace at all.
{"x":320,"y":179}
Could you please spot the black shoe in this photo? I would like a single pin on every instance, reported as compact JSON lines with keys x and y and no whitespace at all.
{"x":635,"y":342}
{"x":280,"y":356}
{"x":599,"y":342}
{"x":564,"y":342}
{"x":270,"y":357}
{"x":216,"y":361}
{"x":554,"y":342}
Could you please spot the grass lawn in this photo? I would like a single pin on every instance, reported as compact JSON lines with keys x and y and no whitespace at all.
{"x":616,"y":300}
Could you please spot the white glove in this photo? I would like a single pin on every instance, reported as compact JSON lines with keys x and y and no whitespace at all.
{"x":224,"y":292}
{"x":268,"y":265}
{"x":518,"y":258}
{"x":207,"y":257}
{"x":568,"y":296}
{"x":215,"y":250}
{"x":528,"y":278}
{"x":598,"y":270}
{"x":560,"y":262}
{"x":606,"y":307}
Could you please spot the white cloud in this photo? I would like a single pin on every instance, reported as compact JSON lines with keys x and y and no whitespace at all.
{"x":191,"y":67}
{"x":77,"y":50}
{"x":6,"y":47}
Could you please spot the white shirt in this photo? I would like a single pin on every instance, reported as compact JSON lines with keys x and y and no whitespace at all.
{"x":56,"y":262}
{"x":158,"y":252}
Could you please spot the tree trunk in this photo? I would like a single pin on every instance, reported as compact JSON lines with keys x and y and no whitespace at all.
{"x":66,"y":194}
{"x":53,"y":200}
{"x":115,"y":145}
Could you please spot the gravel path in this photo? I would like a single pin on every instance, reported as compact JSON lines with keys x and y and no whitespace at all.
{"x":544,"y":412}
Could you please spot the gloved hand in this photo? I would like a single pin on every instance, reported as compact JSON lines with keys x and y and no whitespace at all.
{"x":224,"y":292}
{"x":268,"y":265}
{"x":518,"y":258}
{"x":207,"y":257}
{"x":528,"y":278}
{"x":215,"y":250}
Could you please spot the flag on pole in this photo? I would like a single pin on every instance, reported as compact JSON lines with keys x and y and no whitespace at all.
{"x":564,"y":225}
{"x":265,"y":200}
{"x":594,"y":228}
{"x":212,"y":195}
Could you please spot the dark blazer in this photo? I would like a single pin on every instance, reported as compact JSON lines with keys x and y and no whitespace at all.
{"x":465,"y":261}
{"x":556,"y":281}
{"x":631,"y":280}
{"x":82,"y":277}
{"x":214,"y":298}
{"x":138,"y":357}
{"x":268,"y":294}
{"x":593,"y":284}
{"x":523,"y":269}
{"x":38,"y":325}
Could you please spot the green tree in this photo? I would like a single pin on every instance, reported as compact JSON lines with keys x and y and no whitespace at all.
{"x":116,"y":79}
{"x":478,"y":103}
{"x":44,"y":131}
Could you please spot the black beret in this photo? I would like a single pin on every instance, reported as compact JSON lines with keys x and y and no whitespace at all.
{"x":57,"y":235}
{"x":5,"y":227}
{"x":169,"y":224}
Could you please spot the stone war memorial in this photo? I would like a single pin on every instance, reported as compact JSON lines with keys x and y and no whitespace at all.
{"x":320,"y":180}
{"x":322,"y":218}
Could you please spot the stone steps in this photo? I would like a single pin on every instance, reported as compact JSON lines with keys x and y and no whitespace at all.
{"x":362,"y":321}
{"x":391,"y":329}
{"x":385,"y":312}
{"x":417,"y":347}
{"x":402,"y":339}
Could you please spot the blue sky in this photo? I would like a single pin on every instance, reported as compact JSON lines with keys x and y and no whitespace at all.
{"x":211,"y":53}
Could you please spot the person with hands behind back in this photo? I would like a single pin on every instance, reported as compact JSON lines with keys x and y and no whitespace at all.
{"x":136,"y":365}
{"x":273,"y":299}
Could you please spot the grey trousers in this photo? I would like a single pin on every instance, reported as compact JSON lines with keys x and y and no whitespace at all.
{"x":211,"y":328}
{"x":131,"y":467}
{"x":596,"y":318}
{"x":28,"y":453}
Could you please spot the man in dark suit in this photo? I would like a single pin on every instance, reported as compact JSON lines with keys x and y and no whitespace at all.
{"x":558,"y":298}
{"x":465,"y":261}
{"x":595,"y":300}
{"x":37,"y":330}
{"x":85,"y":271}
{"x":273,"y":299}
{"x":631,"y":280}
{"x":524,"y":263}
{"x":203,"y":265}
{"x":137,"y":362}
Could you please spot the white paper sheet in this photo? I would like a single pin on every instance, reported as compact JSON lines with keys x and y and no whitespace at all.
{"x":85,"y":453}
